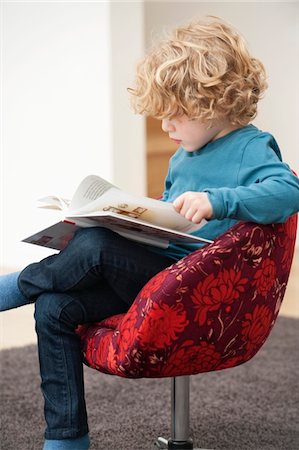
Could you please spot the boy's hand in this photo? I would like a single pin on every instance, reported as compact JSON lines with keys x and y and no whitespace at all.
{"x":194,"y":206}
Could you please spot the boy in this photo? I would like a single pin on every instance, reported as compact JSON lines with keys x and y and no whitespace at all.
{"x":205,"y":86}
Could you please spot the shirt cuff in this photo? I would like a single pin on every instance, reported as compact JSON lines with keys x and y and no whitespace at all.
{"x":217,"y":203}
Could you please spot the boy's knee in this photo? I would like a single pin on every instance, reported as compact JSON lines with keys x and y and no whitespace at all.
{"x":92,"y":238}
{"x":47,"y":309}
{"x":53,"y":309}
{"x":93,"y":233}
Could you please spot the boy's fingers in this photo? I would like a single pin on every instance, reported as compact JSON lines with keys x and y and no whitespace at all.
{"x":178,"y":203}
{"x":197,"y":217}
{"x":190,"y":212}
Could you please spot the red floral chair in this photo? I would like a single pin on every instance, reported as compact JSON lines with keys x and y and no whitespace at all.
{"x":211,"y":310}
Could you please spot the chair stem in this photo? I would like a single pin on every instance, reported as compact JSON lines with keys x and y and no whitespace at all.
{"x":180,"y":388}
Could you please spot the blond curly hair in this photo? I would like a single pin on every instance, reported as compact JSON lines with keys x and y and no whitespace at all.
{"x":203,"y":70}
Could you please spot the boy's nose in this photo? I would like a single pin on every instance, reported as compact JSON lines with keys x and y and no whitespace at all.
{"x":167,"y":125}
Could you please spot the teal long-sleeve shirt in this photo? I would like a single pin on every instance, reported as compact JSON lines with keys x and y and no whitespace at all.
{"x":245,"y":179}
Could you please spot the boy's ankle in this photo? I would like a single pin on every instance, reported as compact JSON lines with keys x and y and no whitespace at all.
{"x":81,"y":443}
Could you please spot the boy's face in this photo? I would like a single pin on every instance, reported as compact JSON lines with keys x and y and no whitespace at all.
{"x":191,"y":134}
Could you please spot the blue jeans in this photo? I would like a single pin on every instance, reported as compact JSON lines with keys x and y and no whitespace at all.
{"x":97,"y":275}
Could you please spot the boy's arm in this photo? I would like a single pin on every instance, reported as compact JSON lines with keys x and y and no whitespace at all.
{"x":267,"y":202}
{"x":268,"y":191}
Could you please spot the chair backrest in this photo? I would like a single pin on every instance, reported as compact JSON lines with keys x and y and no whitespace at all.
{"x":211,"y":310}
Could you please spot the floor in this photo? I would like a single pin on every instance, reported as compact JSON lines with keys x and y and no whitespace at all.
{"x":17,"y":326}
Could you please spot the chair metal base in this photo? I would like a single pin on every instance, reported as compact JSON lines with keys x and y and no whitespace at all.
{"x":163,"y":443}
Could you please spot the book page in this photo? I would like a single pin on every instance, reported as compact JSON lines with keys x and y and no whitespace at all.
{"x":88,"y":191}
{"x":54,"y":202}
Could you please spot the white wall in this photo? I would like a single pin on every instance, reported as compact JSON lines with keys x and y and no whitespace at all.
{"x":65,"y":109}
{"x":127,"y":43}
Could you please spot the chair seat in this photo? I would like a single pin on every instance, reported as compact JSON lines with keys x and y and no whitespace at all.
{"x":211,"y":310}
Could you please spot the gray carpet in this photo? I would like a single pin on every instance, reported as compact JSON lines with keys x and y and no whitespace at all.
{"x":253,"y":406}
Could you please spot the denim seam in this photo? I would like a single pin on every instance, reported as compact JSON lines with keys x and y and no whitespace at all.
{"x":68,"y":390}
{"x":55,"y":434}
{"x":69,"y":406}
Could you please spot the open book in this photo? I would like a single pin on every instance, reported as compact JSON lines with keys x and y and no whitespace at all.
{"x":97,"y":202}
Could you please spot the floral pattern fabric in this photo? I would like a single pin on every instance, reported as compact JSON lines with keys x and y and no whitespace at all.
{"x":211,"y":310}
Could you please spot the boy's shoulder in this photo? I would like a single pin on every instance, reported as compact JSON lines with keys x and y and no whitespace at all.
{"x":256,"y":139}
{"x":252,"y":140}
{"x":250,"y":132}
{"x":253,"y":132}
